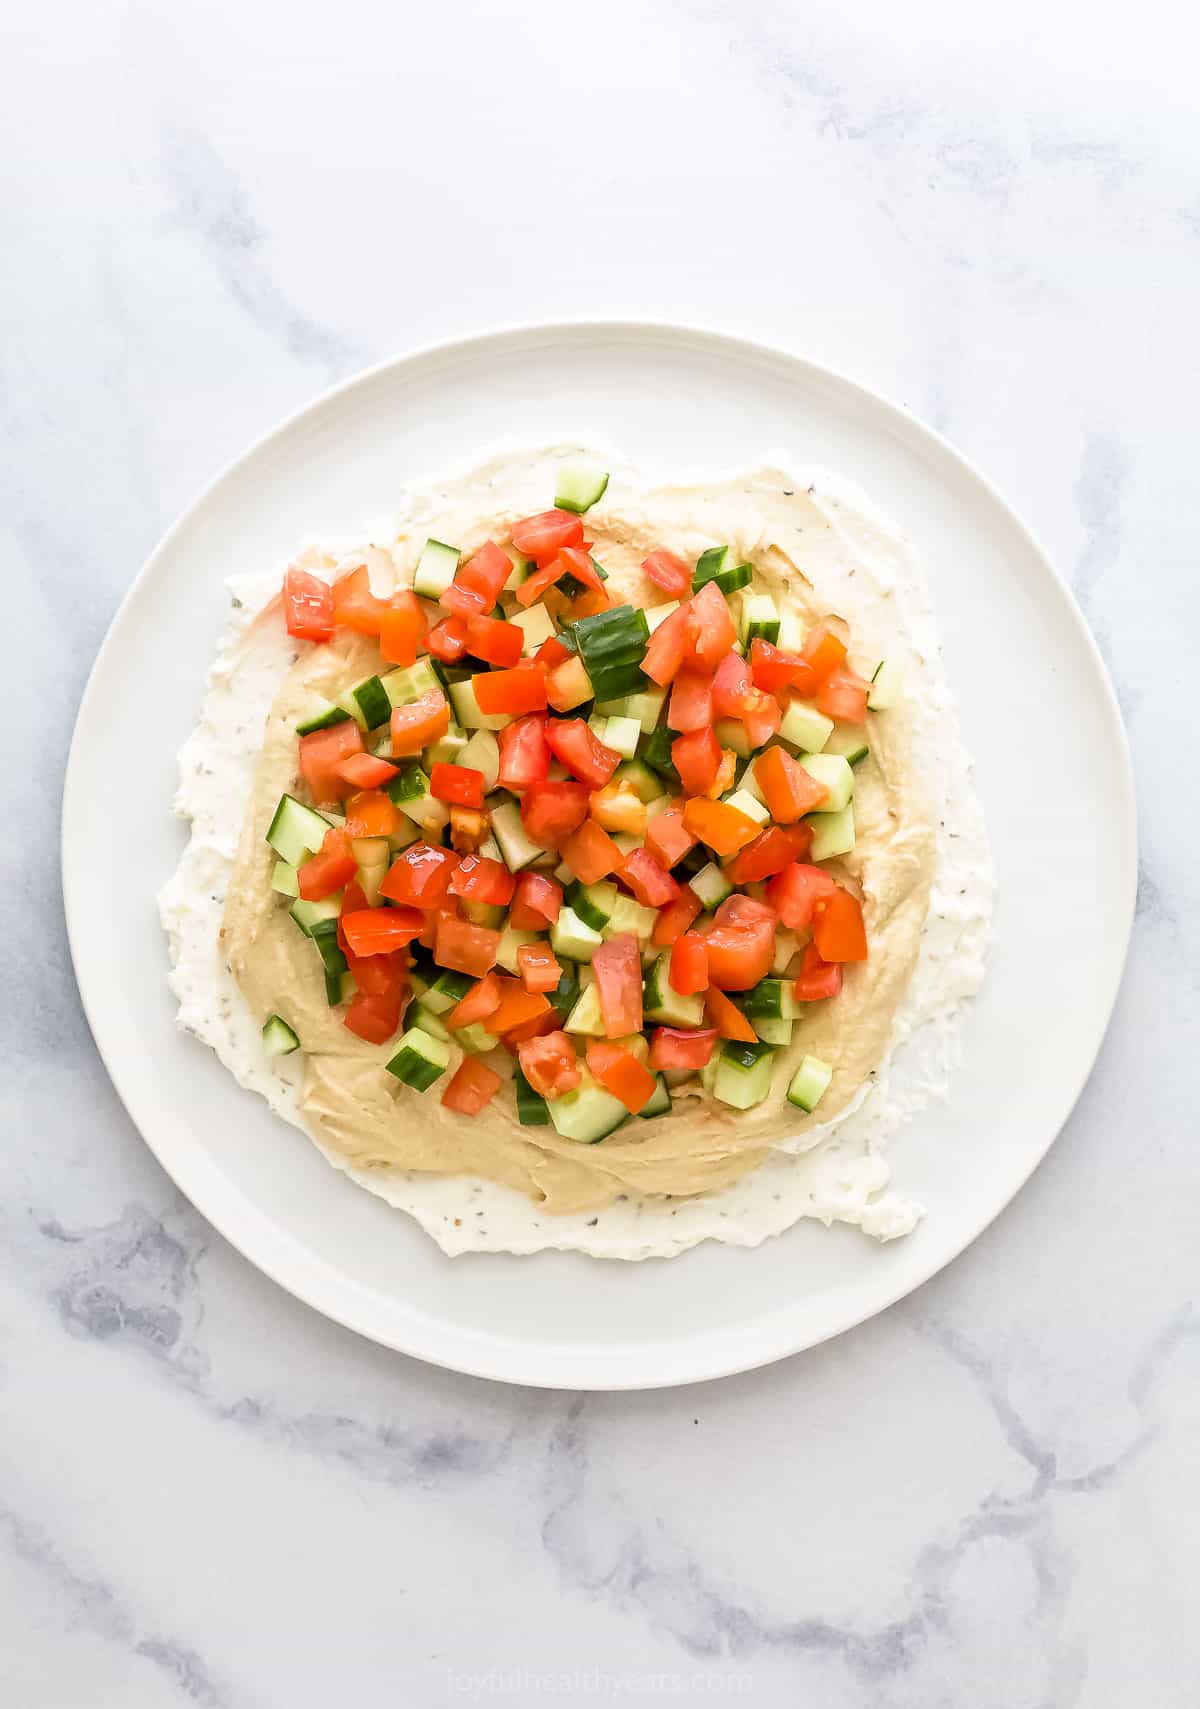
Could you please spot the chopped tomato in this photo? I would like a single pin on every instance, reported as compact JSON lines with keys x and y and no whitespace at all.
{"x":677,"y":916}
{"x":465,"y":948}
{"x":371,"y":813}
{"x":329,"y":869}
{"x":536,"y":1026}
{"x":540,"y":581}
{"x":770,"y":853}
{"x":589,"y":603}
{"x":676,"y":1047}
{"x":838,"y":929}
{"x":651,"y":883}
{"x":419,"y":876}
{"x":591,"y":853}
{"x":689,"y":964}
{"x":496,"y":642}
{"x":619,"y":807}
{"x":727,"y":1018}
{"x":549,"y":1064}
{"x":524,"y":754}
{"x":543,"y":536}
{"x":536,"y":903}
{"x":364,"y":771}
{"x":667,"y":837}
{"x":731,"y":686}
{"x":479,"y":879}
{"x":579,"y":564}
{"x":823,"y":651}
{"x":581,"y":751}
{"x":712,"y":627}
{"x":321,"y":753}
{"x":379,"y":931}
{"x":843,"y":695}
{"x":795,"y":891}
{"x":354,"y":605}
{"x":697,"y":759}
{"x":551,"y":811}
{"x":668,"y":572}
{"x":516,"y":1007}
{"x":468,"y":828}
{"x":617,"y":964}
{"x":774,"y":670}
{"x":668,"y":646}
{"x":375,"y":1015}
{"x":788,"y":790}
{"x":551,"y":653}
{"x":478,"y":583}
{"x":538,"y":967}
{"x":402,"y":628}
{"x":458,"y":785}
{"x":307,"y":606}
{"x":473,"y":1087}
{"x":691,"y":705}
{"x":726,"y":772}
{"x":619,"y":1072}
{"x":422,"y":721}
{"x":568,"y":685}
{"x":741,"y":943}
{"x":514,"y":692}
{"x":447,"y":640}
{"x":354,"y":898}
{"x":482,"y":1000}
{"x":446,"y":909}
{"x":724,"y":828}
{"x":761,"y":717}
{"x":817,"y":978}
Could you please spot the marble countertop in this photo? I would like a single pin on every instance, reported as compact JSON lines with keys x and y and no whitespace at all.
{"x":987,"y":1496}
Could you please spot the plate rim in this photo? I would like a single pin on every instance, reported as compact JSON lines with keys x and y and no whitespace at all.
{"x":269,"y":1256}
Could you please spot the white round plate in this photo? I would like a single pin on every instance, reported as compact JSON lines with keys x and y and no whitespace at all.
{"x":1022,"y":665}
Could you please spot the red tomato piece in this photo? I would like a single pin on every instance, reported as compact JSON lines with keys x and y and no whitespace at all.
{"x":329,"y":869}
{"x":795,"y":891}
{"x":579,"y":564}
{"x":496,"y":642}
{"x":472,"y":1088}
{"x":542,"y":537}
{"x":617,"y":965}
{"x":838,"y":929}
{"x":375,"y":1015}
{"x":697,"y":759}
{"x":479,"y":879}
{"x":843,"y":695}
{"x":551,"y":653}
{"x":689,"y":964}
{"x":354,"y":898}
{"x":549,"y":1064}
{"x":364,"y":771}
{"x":619,"y":1072}
{"x":817,"y":978}
{"x":482,"y":1000}
{"x":424,"y":720}
{"x":568,"y":685}
{"x":541,"y":580}
{"x":713,"y":629}
{"x":677,"y":1047}
{"x":668,"y":838}
{"x":371,"y":813}
{"x":419,"y":876}
{"x":402,"y":628}
{"x":524,"y":754}
{"x":551,"y":811}
{"x":766,"y":855}
{"x":774,"y":670}
{"x":514,"y":692}
{"x":591,"y":853}
{"x":321,"y":753}
{"x":788,"y":790}
{"x":538,"y":967}
{"x":581,"y":751}
{"x":465,"y":948}
{"x":676,"y":917}
{"x":447,"y":640}
{"x":478,"y":583}
{"x":517,"y":1007}
{"x":651,"y":883}
{"x":725,"y":828}
{"x":307,"y":606}
{"x":668,"y":572}
{"x":731,"y":686}
{"x":354,"y":605}
{"x":823,"y":651}
{"x":668,"y":646}
{"x":691,"y":705}
{"x":379,"y":931}
{"x":727,"y":1018}
{"x":537,"y":1026}
{"x":741,"y":943}
{"x":761,"y":718}
{"x":536,"y":903}
{"x":459,"y":785}
{"x":447,"y":909}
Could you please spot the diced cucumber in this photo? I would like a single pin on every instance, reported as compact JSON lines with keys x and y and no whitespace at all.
{"x":485,"y":914}
{"x":773,"y":1032}
{"x":579,"y":486}
{"x":719,"y":565}
{"x":511,"y":940}
{"x":323,"y":715}
{"x":629,"y":915}
{"x":833,"y":833}
{"x":572,"y":684}
{"x":445,"y":990}
{"x":786,"y":946}
{"x":809,"y":1083}
{"x":791,"y":632}
{"x":659,"y":613}
{"x":656,"y":751}
{"x":743,"y":1076}
{"x":278,"y":1038}
{"x":748,"y":780}
{"x":626,"y":841}
{"x":758,"y":619}
{"x":621,"y":735}
{"x":515,"y":846}
{"x":659,"y":1103}
{"x":284,"y":879}
{"x":711,"y":885}
{"x":324,"y":936}
{"x":646,"y":706}
{"x":420,"y":1060}
{"x":339,"y":987}
{"x":887,"y":685}
{"x":448,"y":750}
{"x":368,"y":703}
{"x":748,"y":803}
{"x":537,"y":624}
{"x":731,"y":733}
{"x":587,"y":1114}
{"x":482,"y":753}
{"x":521,"y":568}
{"x":835,"y":773}
{"x":410,"y":793}
{"x":374,"y":856}
{"x":663,"y":1003}
{"x":771,"y":997}
{"x":641,"y":779}
{"x":466,"y":708}
{"x":421,"y":1015}
{"x":310,"y":914}
{"x":805,"y":727}
{"x":435,"y":569}
{"x":405,"y":833}
{"x":592,"y":903}
{"x":491,"y":848}
{"x":532,"y":1110}
{"x":585,"y":1017}
{"x":847,"y":740}
{"x":569,"y":936}
{"x":295,"y":831}
{"x":410,"y":682}
{"x":612,"y":645}
{"x":476,"y":1038}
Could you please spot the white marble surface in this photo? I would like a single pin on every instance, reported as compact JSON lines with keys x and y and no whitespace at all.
{"x":987,"y":1497}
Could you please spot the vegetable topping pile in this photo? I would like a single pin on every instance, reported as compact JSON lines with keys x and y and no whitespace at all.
{"x":584,"y":833}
